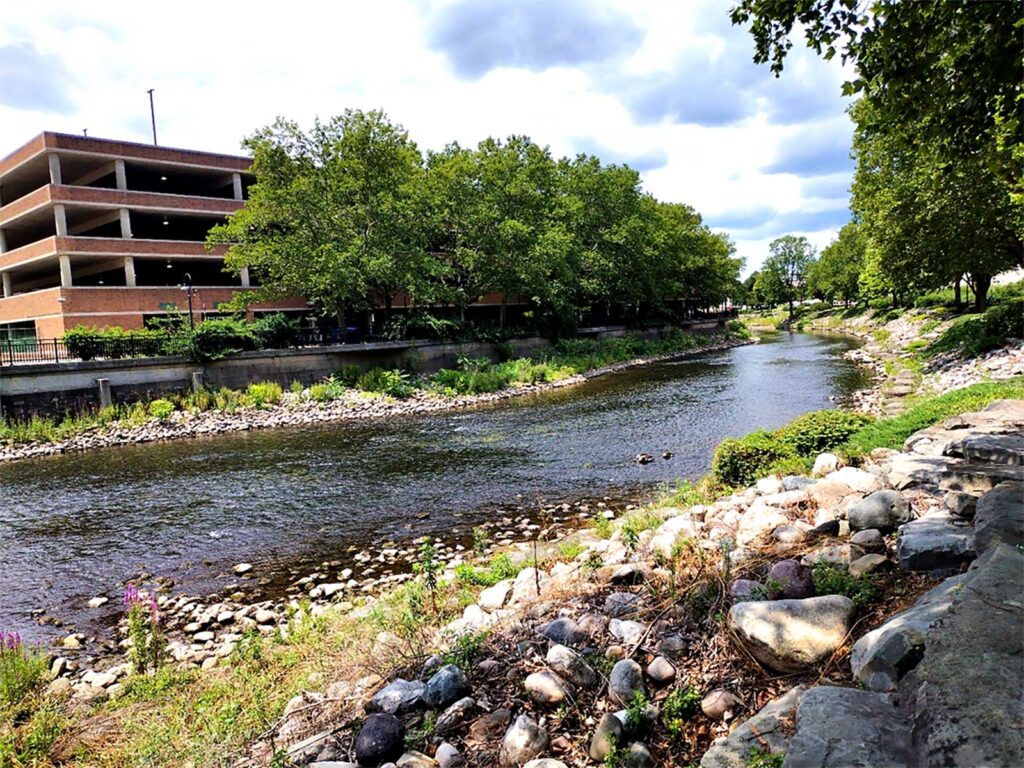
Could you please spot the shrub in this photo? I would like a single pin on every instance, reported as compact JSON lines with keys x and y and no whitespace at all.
{"x":264,"y":393}
{"x":22,"y":669}
{"x":87,"y":343}
{"x":161,"y":409}
{"x":275,"y":331}
{"x":214,"y":339}
{"x":347,"y":375}
{"x":296,"y":387}
{"x":680,"y":706}
{"x":386,"y":381}
{"x":741,"y":461}
{"x":830,"y":580}
{"x":325,"y":391}
{"x":974,"y":335}
{"x":819,"y":431}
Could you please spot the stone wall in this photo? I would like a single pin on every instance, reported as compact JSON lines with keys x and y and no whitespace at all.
{"x":47,"y":389}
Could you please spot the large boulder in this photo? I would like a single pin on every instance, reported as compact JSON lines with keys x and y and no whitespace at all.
{"x":908,"y":471}
{"x":792,"y":635}
{"x":525,"y":587}
{"x":842,"y":727}
{"x":938,"y":543}
{"x":999,"y":517}
{"x":767,"y":731}
{"x":857,"y":479}
{"x":965,"y":697}
{"x":884,"y":510}
{"x":524,"y":740}
{"x":993,"y":449}
{"x":381,"y":739}
{"x":884,"y":655}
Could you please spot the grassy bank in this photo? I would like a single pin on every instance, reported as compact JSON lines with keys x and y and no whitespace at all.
{"x":473,"y":376}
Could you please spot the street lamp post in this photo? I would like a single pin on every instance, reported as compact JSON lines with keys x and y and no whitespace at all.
{"x":186,"y":285}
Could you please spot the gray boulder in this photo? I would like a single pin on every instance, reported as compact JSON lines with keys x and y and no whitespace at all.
{"x":625,"y":681}
{"x":524,"y":740}
{"x":563,"y":631}
{"x":621,"y":604}
{"x":455,"y":716}
{"x":792,"y":635}
{"x":446,"y":686}
{"x":846,"y":728}
{"x":999,"y":517}
{"x":572,"y":667}
{"x":965,"y":697}
{"x":380,"y":739}
{"x":883,"y":510}
{"x":938,"y":543}
{"x":767,"y":730}
{"x":398,"y":697}
{"x":607,"y":735}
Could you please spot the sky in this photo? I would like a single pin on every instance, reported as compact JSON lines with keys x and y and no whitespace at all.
{"x":667,"y":86}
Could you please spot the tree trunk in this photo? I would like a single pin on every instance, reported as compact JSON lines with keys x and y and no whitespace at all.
{"x":340,"y":314}
{"x":957,"y":298}
{"x":981,"y":285}
{"x":790,"y":309}
{"x":501,"y":314}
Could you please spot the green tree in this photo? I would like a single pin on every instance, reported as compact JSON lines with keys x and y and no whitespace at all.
{"x":836,"y":273}
{"x":334,"y":214}
{"x":784,"y":273}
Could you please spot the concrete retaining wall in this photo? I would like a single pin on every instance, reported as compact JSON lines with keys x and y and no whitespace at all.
{"x":55,"y":388}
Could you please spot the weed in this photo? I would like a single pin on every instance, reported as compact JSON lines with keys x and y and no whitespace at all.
{"x":680,"y":706}
{"x":830,"y":580}
{"x":571,"y":548}
{"x":602,"y":526}
{"x":161,"y":409}
{"x":765,"y":758}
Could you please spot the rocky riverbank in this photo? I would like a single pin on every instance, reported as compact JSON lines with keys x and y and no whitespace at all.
{"x":824,"y":620}
{"x":296,"y":410}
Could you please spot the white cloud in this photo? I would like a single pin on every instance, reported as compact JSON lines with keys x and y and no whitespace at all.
{"x":221,"y":70}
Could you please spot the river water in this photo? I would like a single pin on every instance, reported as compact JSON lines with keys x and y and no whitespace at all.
{"x":75,"y":526}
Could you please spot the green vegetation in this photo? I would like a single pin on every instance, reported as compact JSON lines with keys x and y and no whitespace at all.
{"x":831,"y":580}
{"x":682,"y":704}
{"x":161,"y":409}
{"x":498,"y":568}
{"x":765,"y":758}
{"x":571,"y":235}
{"x":892,"y":431}
{"x":974,"y":335}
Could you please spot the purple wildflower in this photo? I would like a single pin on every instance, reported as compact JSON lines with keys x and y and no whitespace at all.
{"x":154,"y":611}
{"x":131,"y":596}
{"x":10,"y":641}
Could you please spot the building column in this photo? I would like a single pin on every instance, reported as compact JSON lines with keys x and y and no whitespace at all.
{"x":55,"y":177}
{"x":126,"y":223}
{"x":243,"y":273}
{"x":236,"y":185}
{"x":60,"y":218}
{"x":119,"y":174}
{"x":129,"y":271}
{"x":65,"y":271}
{"x":3,"y":241}
{"x":8,"y":290}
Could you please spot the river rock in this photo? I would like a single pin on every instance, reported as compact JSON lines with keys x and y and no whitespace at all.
{"x":758,"y":520}
{"x":743,"y":589}
{"x":999,"y":517}
{"x":626,"y":631}
{"x":621,"y":604}
{"x":380,"y":739}
{"x":523,"y":741}
{"x":493,"y":598}
{"x":884,"y":655}
{"x":673,"y":646}
{"x":882,"y":510}
{"x":789,"y":580}
{"x":446,"y":686}
{"x":242,"y":568}
{"x":547,"y":689}
{"x":454,"y":716}
{"x":97,"y":602}
{"x":870,"y":540}
{"x":524,"y":588}
{"x":862,"y":566}
{"x":937,"y":543}
{"x":488,"y":729}
{"x":857,"y":479}
{"x":719,"y":704}
{"x":607,"y":735}
{"x":842,"y":727}
{"x":572,"y":667}
{"x":768,"y":730}
{"x":639,"y":756}
{"x":768,"y":485}
{"x":564,"y":631}
{"x":545,"y":762}
{"x":792,"y":635}
{"x":825,"y":464}
{"x":661,"y":671}
{"x":398,"y":697}
{"x":448,"y":756}
{"x":625,"y":681}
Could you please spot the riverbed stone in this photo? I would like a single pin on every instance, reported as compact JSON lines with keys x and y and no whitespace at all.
{"x":938,"y":543}
{"x":742,"y":589}
{"x":862,"y":566}
{"x":489,"y":728}
{"x":870,"y":540}
{"x":625,"y":631}
{"x":446,"y":686}
{"x":789,"y":580}
{"x":493,"y":598}
{"x":606,"y":736}
{"x":792,"y":635}
{"x":857,"y":479}
{"x":546,"y":688}
{"x":842,"y":727}
{"x":719,"y":704}
{"x":572,"y":667}
{"x":826,"y":463}
{"x":380,"y":739}
{"x":455,"y":715}
{"x":661,"y":671}
{"x":999,"y":517}
{"x":523,"y":741}
{"x":563,"y":631}
{"x":883,"y":510}
{"x":448,"y":756}
{"x":767,"y":730}
{"x":398,"y":697}
{"x":639,"y":756}
{"x":524,"y":588}
{"x":758,"y":520}
{"x":545,"y":762}
{"x":625,"y":681}
{"x":621,"y":604}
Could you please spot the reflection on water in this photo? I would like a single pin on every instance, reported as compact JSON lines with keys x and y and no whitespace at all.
{"x":74,"y":526}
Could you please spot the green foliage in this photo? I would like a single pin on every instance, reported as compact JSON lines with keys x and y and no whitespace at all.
{"x":783,"y":276}
{"x":275,"y":331}
{"x":220,"y":337}
{"x":818,"y":431}
{"x":742,"y":461}
{"x":263,"y":394}
{"x":765,"y":758}
{"x":481,"y":540}
{"x":636,"y":523}
{"x":428,"y":567}
{"x":23,"y":670}
{"x":680,"y":705}
{"x":974,"y":335}
{"x":500,"y":567}
{"x":636,"y":712}
{"x":161,"y":409}
{"x":147,"y":644}
{"x":831,"y":580}
{"x":323,"y":392}
{"x":347,"y":375}
{"x":88,"y":343}
{"x":891,"y":432}
{"x":571,"y":548}
{"x":392,"y":382}
{"x":465,"y":649}
{"x":602,"y":526}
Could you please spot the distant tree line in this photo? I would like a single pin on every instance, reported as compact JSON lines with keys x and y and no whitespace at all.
{"x":351,"y":214}
{"x":938,"y":192}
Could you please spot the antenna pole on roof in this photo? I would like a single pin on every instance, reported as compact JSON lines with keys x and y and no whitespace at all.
{"x":152,"y":113}
{"x":85,"y":131}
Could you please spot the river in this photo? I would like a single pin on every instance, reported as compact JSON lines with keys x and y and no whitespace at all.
{"x":75,"y":526}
